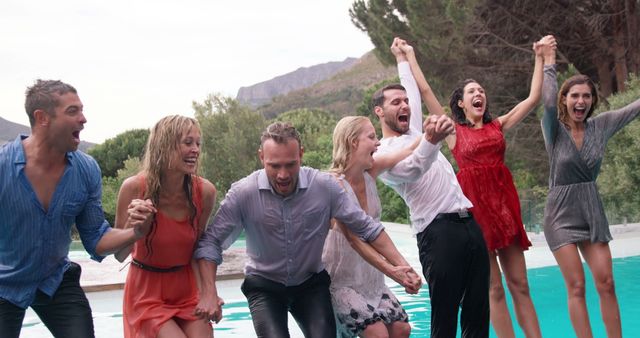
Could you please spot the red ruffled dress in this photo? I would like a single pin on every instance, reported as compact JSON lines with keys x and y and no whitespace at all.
{"x":488,"y":184}
{"x":152,"y":298}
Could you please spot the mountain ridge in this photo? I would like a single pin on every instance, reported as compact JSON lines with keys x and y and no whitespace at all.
{"x":339,"y":94}
{"x":10,"y":130}
{"x":261,"y":93}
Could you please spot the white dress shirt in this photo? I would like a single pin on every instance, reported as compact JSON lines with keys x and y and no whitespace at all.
{"x":435,"y":188}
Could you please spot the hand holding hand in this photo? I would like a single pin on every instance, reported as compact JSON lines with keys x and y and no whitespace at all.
{"x":546,"y":46}
{"x":395,"y":48}
{"x":405,"y":47}
{"x":415,"y":285}
{"x":209,"y":308}
{"x":141,"y":214}
{"x":436,"y":128}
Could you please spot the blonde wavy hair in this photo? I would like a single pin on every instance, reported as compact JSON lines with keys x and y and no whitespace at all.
{"x":164,"y":140}
{"x":345,"y":136}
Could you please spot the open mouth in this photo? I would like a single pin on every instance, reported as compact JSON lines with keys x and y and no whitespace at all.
{"x":283,"y":185}
{"x":477,"y":103}
{"x":403,"y":118}
{"x":579,"y":112}
{"x":191,"y":160}
{"x":76,"y":135}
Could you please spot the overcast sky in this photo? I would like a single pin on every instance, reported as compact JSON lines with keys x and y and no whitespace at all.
{"x":135,"y":61}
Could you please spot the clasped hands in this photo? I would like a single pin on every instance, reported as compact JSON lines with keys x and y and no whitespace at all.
{"x":141,"y":213}
{"x":407,"y":277}
{"x":209,"y":308}
{"x":437,"y":127}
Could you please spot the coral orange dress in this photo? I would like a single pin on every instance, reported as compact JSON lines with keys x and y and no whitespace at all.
{"x":151,"y":298}
{"x":488,"y":184}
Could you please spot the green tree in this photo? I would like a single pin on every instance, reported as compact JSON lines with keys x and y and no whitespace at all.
{"x":620,"y":172}
{"x":230,"y":140}
{"x":490,"y":41}
{"x":316,"y":129}
{"x":112,"y":154}
{"x":111,"y":187}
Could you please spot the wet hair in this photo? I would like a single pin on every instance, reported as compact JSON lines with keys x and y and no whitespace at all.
{"x":457,"y":112}
{"x":563,"y":115}
{"x":44,"y":95}
{"x":377,"y":99}
{"x":280,"y":132}
{"x":345,"y":134}
{"x":164,"y":140}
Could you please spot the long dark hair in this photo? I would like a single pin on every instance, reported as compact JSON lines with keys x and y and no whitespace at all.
{"x":458,"y":113}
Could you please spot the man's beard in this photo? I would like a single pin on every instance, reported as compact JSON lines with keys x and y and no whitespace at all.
{"x":393,"y":125}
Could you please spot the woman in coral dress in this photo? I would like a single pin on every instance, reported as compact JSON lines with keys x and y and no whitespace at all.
{"x":161,"y":290}
{"x":478,"y":146}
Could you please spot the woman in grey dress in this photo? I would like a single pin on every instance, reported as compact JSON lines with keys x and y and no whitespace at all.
{"x":574,"y":218}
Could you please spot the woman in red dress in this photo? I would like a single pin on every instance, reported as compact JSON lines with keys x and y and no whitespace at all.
{"x":161,"y":290}
{"x":478,"y":146}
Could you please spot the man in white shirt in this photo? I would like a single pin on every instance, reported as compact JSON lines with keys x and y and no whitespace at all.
{"x":453,"y":253}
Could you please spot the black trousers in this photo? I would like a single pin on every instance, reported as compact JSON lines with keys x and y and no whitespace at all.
{"x":455,"y":264}
{"x":67,"y":314}
{"x":309,"y":304}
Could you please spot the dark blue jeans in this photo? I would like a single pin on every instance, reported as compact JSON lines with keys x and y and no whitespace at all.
{"x":309,"y":304}
{"x":67,"y":314}
{"x":455,"y":263}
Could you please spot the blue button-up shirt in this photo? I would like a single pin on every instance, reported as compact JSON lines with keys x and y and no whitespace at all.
{"x":285,"y":235}
{"x":34,"y":243}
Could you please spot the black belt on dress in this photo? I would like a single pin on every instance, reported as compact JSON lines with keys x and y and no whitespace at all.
{"x":143,"y":266}
{"x":454,"y":216}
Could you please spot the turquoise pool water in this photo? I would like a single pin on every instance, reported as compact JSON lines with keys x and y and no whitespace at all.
{"x":548,"y":293}
{"x":547,"y":289}
{"x":549,"y":297}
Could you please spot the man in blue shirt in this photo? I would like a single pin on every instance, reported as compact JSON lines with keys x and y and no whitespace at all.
{"x":285,"y":211}
{"x":46,"y":185}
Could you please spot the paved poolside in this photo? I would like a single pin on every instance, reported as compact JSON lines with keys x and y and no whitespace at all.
{"x":110,"y":274}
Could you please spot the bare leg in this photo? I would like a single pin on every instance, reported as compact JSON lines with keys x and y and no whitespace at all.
{"x":515,"y":272}
{"x":170,"y":329}
{"x":375,"y":330}
{"x":570,"y":264}
{"x":598,"y":257}
{"x":399,"y":329}
{"x":196,"y":328}
{"x":499,"y":312}
{"x":380,"y":330}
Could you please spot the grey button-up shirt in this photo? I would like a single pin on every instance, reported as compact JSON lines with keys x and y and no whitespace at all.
{"x":285,"y":235}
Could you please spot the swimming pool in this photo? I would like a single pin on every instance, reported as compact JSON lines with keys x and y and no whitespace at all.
{"x":546,"y":283}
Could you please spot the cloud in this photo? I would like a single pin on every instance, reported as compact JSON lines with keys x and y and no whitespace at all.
{"x":135,"y":61}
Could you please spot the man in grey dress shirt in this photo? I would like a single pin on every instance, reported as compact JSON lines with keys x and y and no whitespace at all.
{"x":285,"y":211}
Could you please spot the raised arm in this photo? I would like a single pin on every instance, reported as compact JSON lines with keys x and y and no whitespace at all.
{"x":522,"y":109}
{"x":428,"y":96}
{"x":550,"y":121}
{"x":410,"y":85}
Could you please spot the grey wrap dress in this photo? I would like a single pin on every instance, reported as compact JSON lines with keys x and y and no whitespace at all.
{"x":574,"y":210}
